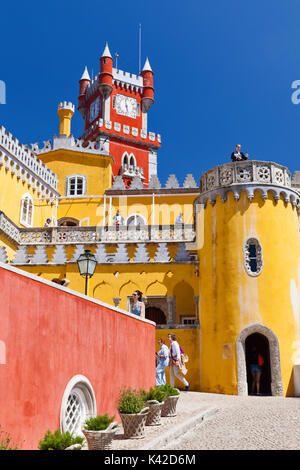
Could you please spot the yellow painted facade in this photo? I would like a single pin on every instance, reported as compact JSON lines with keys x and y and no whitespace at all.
{"x":208,"y":296}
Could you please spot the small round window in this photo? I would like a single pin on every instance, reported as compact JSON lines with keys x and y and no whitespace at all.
{"x":78,"y":404}
{"x":253,"y":260}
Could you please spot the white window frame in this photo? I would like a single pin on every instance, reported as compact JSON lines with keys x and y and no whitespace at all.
{"x":81,"y":387}
{"x":191,"y":319}
{"x":68,"y":184}
{"x":135,"y":215}
{"x":259,"y":256}
{"x":26,"y":215}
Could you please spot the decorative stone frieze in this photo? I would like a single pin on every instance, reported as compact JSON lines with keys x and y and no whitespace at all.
{"x":248,"y":176}
{"x":172,"y":182}
{"x":3,"y":255}
{"x":189,"y":182}
{"x":154,"y":182}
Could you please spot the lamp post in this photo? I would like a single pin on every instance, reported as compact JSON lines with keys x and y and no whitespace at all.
{"x":86,"y":265}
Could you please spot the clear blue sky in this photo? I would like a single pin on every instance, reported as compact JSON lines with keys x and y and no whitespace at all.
{"x":222,"y":72}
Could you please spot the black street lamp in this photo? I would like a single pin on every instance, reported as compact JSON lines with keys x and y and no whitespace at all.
{"x":87,"y":264}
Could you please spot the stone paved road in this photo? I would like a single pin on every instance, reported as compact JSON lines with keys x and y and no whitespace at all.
{"x":246,"y":423}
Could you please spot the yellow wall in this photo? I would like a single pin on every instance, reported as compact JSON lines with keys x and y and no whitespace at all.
{"x":232,"y":300}
{"x":97,"y":168}
{"x":12,"y":191}
{"x":120,"y":280}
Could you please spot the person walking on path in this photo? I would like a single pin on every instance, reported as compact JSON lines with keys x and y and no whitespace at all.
{"x":176,"y":364}
{"x":256,"y":363}
{"x":162,"y":357}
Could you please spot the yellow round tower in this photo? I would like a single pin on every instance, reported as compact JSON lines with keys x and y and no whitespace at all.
{"x":249,"y":251}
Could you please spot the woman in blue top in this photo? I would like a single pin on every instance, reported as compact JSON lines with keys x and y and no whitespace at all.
{"x":138,"y":307}
{"x":162,"y":362}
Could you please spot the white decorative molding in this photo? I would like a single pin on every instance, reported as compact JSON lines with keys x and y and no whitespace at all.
{"x":19,"y":157}
{"x":249,"y":176}
{"x":172,"y":182}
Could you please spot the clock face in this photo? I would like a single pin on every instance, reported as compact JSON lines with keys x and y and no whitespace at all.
{"x":126,"y":106}
{"x":94,"y":109}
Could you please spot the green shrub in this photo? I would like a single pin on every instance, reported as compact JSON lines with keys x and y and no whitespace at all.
{"x":98,"y":423}
{"x":5,"y":441}
{"x":169,"y":390}
{"x":130,"y":401}
{"x":155,"y":394}
{"x":58,"y":440}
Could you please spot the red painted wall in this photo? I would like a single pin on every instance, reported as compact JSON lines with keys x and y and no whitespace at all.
{"x":50,"y":336}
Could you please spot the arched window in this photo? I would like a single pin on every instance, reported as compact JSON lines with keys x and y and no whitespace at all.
{"x":75,"y":185}
{"x":132,"y":161}
{"x":78,"y":404}
{"x":135,"y":219}
{"x":253,"y":260}
{"x":26,"y":214}
{"x":125,"y":160}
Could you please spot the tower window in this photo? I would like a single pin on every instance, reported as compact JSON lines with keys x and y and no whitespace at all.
{"x":253,"y":260}
{"x":75,"y":185}
{"x":26,"y":214}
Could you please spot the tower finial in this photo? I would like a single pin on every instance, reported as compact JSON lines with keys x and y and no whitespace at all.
{"x":147,"y":66}
{"x":85,"y":75}
{"x":106,"y":52}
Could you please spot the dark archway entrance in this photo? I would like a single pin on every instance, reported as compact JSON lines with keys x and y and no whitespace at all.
{"x":67,"y":222}
{"x":261,"y":343}
{"x":155,"y":314}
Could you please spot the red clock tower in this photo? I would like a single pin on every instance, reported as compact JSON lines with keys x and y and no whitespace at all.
{"x":115,"y":107}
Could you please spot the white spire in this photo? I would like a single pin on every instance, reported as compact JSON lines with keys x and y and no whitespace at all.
{"x":147,"y":66}
{"x":85,"y":75}
{"x":106,"y":52}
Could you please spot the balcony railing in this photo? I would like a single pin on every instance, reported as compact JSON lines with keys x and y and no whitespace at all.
{"x":91,"y":235}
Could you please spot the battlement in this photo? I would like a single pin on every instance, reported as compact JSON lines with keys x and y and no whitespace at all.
{"x":21,"y":159}
{"x":66,"y":105}
{"x":129,"y":78}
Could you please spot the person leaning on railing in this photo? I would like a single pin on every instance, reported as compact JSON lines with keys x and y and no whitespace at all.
{"x":237,"y":155}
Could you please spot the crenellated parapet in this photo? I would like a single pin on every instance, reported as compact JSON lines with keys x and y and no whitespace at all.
{"x":123,"y":131}
{"x":22,"y":161}
{"x":249,"y":176}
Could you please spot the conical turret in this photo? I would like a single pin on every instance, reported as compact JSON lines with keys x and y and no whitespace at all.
{"x":148,"y":90}
{"x":105,"y":76}
{"x":83,"y":84}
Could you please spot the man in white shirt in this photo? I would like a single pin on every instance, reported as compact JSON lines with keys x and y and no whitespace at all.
{"x":175,"y":362}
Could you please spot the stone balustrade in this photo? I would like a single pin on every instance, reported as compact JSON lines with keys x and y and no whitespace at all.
{"x":249,"y":175}
{"x":91,"y":235}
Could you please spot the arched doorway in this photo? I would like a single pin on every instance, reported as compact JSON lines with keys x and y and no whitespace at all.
{"x":261,"y":344}
{"x":156,"y":314}
{"x":68,"y":222}
{"x":274,"y":359}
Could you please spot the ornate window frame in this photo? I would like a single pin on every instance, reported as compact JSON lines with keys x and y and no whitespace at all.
{"x":80,"y":395}
{"x":248,"y":257}
{"x":27,"y":210}
{"x":135,"y":216}
{"x":78,"y":178}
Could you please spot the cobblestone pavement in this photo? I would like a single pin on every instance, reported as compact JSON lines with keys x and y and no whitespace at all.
{"x":245,"y":423}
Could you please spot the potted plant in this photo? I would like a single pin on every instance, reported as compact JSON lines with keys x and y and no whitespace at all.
{"x":170,"y":403}
{"x":133,"y":413}
{"x":60,"y":441}
{"x":154,"y":399}
{"x":99,"y":431}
